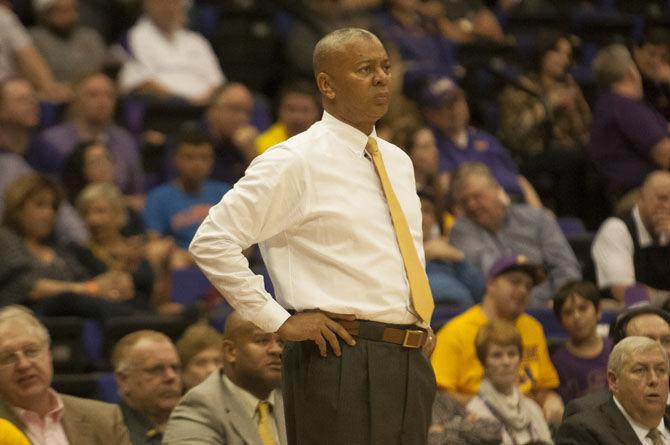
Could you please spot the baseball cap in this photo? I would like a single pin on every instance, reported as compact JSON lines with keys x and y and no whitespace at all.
{"x":510,"y":263}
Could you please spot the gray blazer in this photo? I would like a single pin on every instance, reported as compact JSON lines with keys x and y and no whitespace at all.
{"x":209,"y":414}
{"x":86,"y":422}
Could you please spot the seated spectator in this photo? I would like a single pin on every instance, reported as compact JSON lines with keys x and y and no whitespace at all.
{"x":637,"y":375}
{"x":452,"y":280}
{"x":450,"y":423}
{"x":523,"y":115}
{"x":298,"y":109}
{"x":19,"y":116}
{"x":652,"y":57}
{"x":176,"y":209}
{"x":71,"y":50}
{"x":227,"y":121}
{"x":39,"y":273}
{"x":91,"y":163}
{"x":92,"y":118}
{"x":645,"y":321}
{"x":467,"y":20}
{"x":629,"y":138}
{"x":414,"y":29}
{"x":582,"y":362}
{"x":102,"y":208}
{"x":242,"y":403}
{"x":69,"y":226}
{"x":445,"y":108}
{"x":489,"y":227}
{"x":19,"y":57}
{"x":499,"y":349}
{"x":12,"y":435}
{"x":26,"y":397}
{"x":199,"y":349}
{"x":457,"y":369}
{"x":545,"y":124}
{"x":148,"y":377}
{"x":633,"y":252}
{"x":168,"y":60}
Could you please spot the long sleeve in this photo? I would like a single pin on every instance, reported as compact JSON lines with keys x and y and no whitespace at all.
{"x":267,"y":200}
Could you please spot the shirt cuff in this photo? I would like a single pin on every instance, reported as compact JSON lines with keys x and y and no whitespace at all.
{"x":271,"y":316}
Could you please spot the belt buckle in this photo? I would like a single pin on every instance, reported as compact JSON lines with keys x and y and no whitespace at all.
{"x":412,"y":338}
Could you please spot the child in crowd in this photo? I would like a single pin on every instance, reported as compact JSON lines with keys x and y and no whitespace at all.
{"x":176,"y":209}
{"x":582,"y":362}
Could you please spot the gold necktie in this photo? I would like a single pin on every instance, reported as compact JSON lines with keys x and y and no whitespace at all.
{"x":656,"y":437}
{"x":422,"y":298}
{"x":264,"y":420}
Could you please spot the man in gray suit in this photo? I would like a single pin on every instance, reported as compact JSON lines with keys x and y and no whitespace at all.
{"x":240,"y":404}
{"x":637,"y":375}
{"x":26,"y":397}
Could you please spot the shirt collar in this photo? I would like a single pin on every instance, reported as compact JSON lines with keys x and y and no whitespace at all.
{"x":248,"y":401}
{"x":640,"y":430}
{"x":55,"y":413}
{"x":354,"y":139}
{"x":643,"y":235}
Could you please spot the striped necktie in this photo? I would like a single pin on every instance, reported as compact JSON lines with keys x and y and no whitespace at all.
{"x":656,"y":437}
{"x":422,"y":298}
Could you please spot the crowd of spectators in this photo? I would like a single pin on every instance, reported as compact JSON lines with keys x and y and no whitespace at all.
{"x":99,"y":204}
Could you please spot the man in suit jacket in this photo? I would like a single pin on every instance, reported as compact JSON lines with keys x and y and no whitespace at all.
{"x":646,"y":321}
{"x":26,"y":397}
{"x":637,"y":375}
{"x":226,"y":407}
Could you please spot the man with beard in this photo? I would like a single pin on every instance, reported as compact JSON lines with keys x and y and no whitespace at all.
{"x":148,"y":376}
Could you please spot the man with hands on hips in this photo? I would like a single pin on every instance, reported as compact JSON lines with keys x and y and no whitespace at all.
{"x":338,"y":221}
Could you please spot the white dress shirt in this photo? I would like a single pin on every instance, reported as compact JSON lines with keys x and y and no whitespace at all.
{"x":642,"y":431}
{"x":316,"y":207}
{"x":613,"y":251}
{"x":250,"y":402}
{"x":47,"y":429}
{"x":185,"y":64}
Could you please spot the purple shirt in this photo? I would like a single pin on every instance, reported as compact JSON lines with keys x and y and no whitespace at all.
{"x":57,"y":142}
{"x":623,"y":132}
{"x":481,"y":147}
{"x":581,"y":376}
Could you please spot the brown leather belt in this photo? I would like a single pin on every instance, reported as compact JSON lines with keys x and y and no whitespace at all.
{"x":406,"y":336}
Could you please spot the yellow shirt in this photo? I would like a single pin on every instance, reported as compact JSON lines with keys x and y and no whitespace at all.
{"x":457,"y":368}
{"x":272,"y":136}
{"x":10,"y":434}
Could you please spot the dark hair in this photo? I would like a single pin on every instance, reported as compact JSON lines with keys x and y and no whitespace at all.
{"x":73,"y":169}
{"x":620,"y":323}
{"x":585,"y":289}
{"x":546,"y":40}
{"x":191,"y":133}
{"x":25,"y":187}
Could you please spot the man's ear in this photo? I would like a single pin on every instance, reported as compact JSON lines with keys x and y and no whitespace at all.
{"x":229,"y":351}
{"x":612,"y":381}
{"x":325,"y":86}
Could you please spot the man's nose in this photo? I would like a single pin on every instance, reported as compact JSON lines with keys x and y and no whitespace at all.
{"x":381,"y":76}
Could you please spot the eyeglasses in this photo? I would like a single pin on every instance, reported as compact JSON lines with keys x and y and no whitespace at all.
{"x":30,"y":352}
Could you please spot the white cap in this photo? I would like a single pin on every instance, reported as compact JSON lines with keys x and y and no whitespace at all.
{"x":40,"y":5}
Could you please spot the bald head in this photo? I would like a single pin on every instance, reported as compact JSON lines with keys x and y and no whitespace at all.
{"x":328,"y":49}
{"x":236,"y":327}
{"x":654,"y":202}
